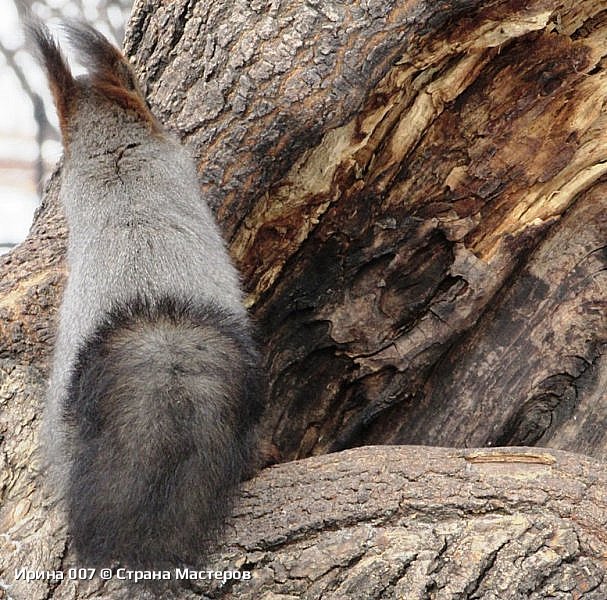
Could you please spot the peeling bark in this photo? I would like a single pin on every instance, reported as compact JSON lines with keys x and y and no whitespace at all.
{"x":414,"y":193}
{"x":393,"y":171}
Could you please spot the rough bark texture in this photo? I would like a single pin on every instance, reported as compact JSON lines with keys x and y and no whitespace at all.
{"x":414,"y":193}
{"x":407,"y":522}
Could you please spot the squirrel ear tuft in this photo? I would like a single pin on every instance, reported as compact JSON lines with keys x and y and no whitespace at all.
{"x":61,"y":81}
{"x":109,"y":72}
{"x":104,"y":62}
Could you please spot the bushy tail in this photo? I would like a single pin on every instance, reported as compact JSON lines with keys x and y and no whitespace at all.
{"x":161,"y":406}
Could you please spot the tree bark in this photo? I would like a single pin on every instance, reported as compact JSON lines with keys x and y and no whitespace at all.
{"x":409,"y":522}
{"x":414,"y":193}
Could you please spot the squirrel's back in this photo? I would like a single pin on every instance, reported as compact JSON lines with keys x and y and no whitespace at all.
{"x":154,"y":392}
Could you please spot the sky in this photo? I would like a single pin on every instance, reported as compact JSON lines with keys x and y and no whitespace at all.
{"x":18,"y":196}
{"x":18,"y":187}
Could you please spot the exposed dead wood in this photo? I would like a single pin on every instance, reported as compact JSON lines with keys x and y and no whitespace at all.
{"x":392,"y":171}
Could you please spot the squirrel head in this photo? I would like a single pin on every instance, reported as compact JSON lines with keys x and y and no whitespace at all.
{"x":107,"y":101}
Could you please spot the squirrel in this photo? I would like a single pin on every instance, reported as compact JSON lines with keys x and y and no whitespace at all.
{"x":155,"y":388}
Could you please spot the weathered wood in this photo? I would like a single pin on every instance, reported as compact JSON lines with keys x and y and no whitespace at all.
{"x":534,"y":368}
{"x":409,"y":523}
{"x":420,"y":178}
{"x":413,"y":192}
{"x":385,"y":173}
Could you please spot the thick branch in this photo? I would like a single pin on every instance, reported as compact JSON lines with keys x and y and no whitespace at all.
{"x":411,"y":522}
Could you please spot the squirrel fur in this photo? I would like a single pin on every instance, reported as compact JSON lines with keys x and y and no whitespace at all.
{"x":155,"y":391}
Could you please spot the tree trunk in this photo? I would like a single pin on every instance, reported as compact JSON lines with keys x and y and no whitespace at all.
{"x":414,"y":194}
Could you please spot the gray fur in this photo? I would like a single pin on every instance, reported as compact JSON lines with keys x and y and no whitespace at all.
{"x":146,"y":263}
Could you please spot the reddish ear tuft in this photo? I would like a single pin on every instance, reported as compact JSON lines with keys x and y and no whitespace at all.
{"x":60,"y":78}
{"x":109,"y":72}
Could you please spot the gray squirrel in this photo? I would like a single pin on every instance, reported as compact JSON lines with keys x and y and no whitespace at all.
{"x":155,"y":390}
